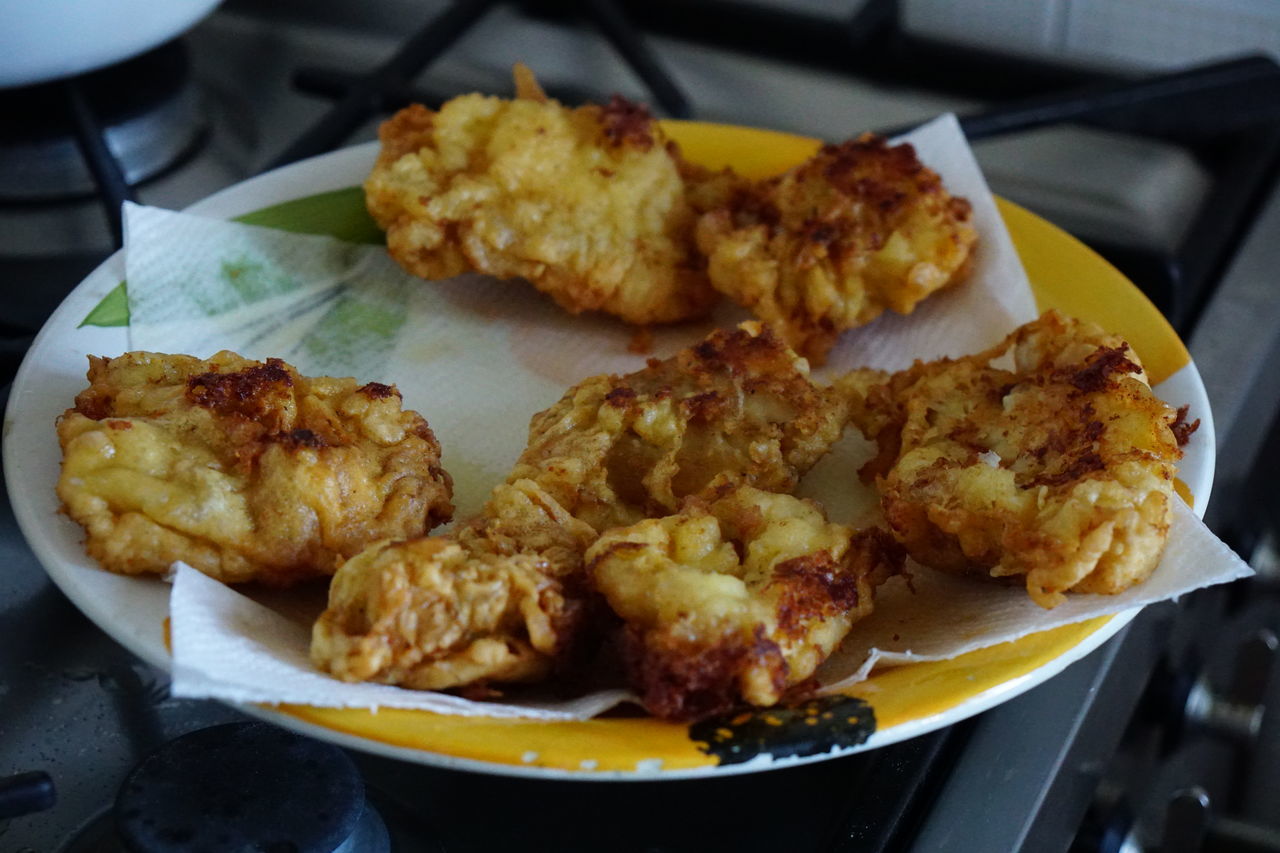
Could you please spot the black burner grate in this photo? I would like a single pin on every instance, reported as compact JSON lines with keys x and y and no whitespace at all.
{"x":385,"y":88}
{"x":101,"y":133}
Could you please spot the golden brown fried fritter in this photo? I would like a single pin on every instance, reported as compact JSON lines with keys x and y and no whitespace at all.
{"x":737,"y":598}
{"x":857,"y":228}
{"x":1059,"y":468}
{"x":586,"y":203}
{"x":426,"y":614}
{"x":613,"y":451}
{"x":496,"y":602}
{"x":616,"y":449}
{"x":246,"y":470}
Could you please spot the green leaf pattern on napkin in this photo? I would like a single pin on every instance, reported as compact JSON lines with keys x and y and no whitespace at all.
{"x":251,"y":280}
{"x":198,"y":285}
{"x":359,"y":329}
{"x":338,"y":213}
{"x":113,"y":310}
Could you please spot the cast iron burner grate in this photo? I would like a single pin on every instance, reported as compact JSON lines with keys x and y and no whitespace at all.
{"x":100,"y":133}
{"x":386,"y":88}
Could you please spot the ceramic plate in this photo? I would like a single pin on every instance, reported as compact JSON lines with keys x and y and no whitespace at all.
{"x":322,"y":196}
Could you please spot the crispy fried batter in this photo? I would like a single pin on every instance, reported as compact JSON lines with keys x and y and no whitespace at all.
{"x":497,"y":602}
{"x":857,"y":228}
{"x":737,"y":597}
{"x":616,"y":449}
{"x":1059,"y":468}
{"x":246,"y":470}
{"x":613,"y":451}
{"x":586,"y":203}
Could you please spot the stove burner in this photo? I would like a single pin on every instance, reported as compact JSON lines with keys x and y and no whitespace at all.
{"x":237,"y":787}
{"x":147,"y":108}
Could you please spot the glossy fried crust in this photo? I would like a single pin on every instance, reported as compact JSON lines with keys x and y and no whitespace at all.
{"x":858,"y":228}
{"x":737,"y":598}
{"x":245,"y":470}
{"x":617,"y":449}
{"x":1059,"y":469}
{"x":496,"y":602}
{"x":587,"y":204}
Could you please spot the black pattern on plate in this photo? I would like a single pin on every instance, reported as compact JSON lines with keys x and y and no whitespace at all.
{"x":809,"y":728}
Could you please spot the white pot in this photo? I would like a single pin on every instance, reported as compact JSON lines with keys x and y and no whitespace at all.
{"x":49,"y":39}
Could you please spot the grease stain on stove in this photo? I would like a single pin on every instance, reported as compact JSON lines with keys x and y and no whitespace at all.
{"x":809,"y":728}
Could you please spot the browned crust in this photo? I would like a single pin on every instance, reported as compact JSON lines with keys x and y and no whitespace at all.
{"x":378,"y":391}
{"x":813,"y":587}
{"x":682,"y":679}
{"x":1100,"y":369}
{"x":802,"y":249}
{"x":1072,"y":418}
{"x":875,"y":555}
{"x":406,"y":132}
{"x":246,"y":392}
{"x":641,"y":264}
{"x":738,"y":402}
{"x":626,"y":122}
{"x":1181,"y":429}
{"x":259,"y":424}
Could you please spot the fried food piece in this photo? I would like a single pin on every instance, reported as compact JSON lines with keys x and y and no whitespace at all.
{"x":1059,"y":469}
{"x":587,"y":204}
{"x":736,"y":598}
{"x":613,"y":451}
{"x":427,"y":614}
{"x":856,"y":229}
{"x":497,"y":602}
{"x":245,"y":470}
{"x":617,"y":449}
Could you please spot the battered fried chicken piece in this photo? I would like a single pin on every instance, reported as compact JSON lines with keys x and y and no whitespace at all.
{"x":617,"y":449}
{"x":737,"y":597}
{"x":246,"y":470}
{"x":828,"y":246}
{"x":499,"y":601}
{"x":587,"y":204}
{"x":1059,"y":469}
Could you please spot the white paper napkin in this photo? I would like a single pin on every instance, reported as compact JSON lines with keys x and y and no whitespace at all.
{"x":228,"y":646}
{"x":947,"y":616}
{"x":478,"y":357}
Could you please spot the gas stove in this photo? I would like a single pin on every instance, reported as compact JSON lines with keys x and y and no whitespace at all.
{"x":1151,"y":742}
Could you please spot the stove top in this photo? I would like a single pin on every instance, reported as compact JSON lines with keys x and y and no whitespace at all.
{"x":1091,"y":758}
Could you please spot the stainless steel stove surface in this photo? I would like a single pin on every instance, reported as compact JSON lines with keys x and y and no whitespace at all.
{"x":1091,"y":759}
